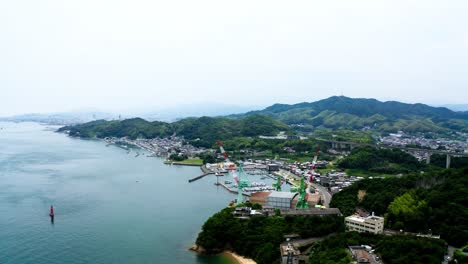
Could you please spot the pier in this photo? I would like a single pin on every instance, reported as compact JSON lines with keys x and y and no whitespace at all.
{"x":201,"y":176}
{"x":205,"y":171}
{"x":230,"y":190}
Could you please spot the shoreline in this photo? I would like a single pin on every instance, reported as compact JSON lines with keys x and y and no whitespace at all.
{"x":228,"y":253}
{"x":181,"y":163}
{"x":237,"y":258}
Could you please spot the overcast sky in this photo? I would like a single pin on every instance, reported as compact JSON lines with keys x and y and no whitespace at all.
{"x":142,"y":55}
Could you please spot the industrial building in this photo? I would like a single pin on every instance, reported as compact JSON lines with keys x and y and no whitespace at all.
{"x":259,"y":198}
{"x":273,"y":167}
{"x":312,"y":212}
{"x":246,"y":212}
{"x":370,"y":224}
{"x":282,"y":200}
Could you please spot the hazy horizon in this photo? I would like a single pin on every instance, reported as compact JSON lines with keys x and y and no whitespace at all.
{"x":190,"y":110}
{"x":140,"y":56}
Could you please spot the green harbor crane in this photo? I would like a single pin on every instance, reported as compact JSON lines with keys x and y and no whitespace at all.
{"x":302,"y":202}
{"x":278,"y":184}
{"x":242,"y":182}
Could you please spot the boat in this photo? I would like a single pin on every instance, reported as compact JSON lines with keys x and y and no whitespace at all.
{"x":51,"y":214}
{"x":227,"y":182}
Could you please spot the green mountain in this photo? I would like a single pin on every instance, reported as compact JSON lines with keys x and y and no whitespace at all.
{"x":339,"y":112}
{"x":204,"y":129}
{"x":336,"y":112}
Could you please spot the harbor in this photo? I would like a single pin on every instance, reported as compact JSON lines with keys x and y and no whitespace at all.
{"x":157,"y":147}
{"x":102,"y":198}
{"x":259,"y":179}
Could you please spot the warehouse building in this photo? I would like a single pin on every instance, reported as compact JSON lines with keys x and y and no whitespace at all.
{"x":281,"y":200}
{"x":259,"y":198}
{"x":311,"y":212}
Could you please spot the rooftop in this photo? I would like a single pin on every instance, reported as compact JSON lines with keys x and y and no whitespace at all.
{"x":356,"y":218}
{"x":289,"y":195}
{"x":285,"y":249}
{"x":312,"y":211}
{"x":259,"y":194}
{"x":362,"y":219}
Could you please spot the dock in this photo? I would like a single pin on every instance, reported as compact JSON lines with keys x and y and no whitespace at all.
{"x":230,"y":190}
{"x":205,"y":171}
{"x":199,"y":177}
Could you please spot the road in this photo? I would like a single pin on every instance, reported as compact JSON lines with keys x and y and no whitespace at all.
{"x":449,"y":255}
{"x":326,"y":196}
{"x":432,"y":151}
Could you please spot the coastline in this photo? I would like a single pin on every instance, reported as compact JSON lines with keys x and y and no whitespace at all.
{"x":237,"y":258}
{"x":181,"y":163}
{"x":228,"y":253}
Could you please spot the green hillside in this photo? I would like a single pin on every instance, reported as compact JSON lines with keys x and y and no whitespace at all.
{"x":203,"y":129}
{"x":417,"y":203}
{"x":386,"y":161}
{"x":339,"y":112}
{"x":132,"y":128}
{"x":335,"y":113}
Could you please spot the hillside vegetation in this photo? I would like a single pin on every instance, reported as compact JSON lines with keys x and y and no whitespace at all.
{"x":386,"y":161}
{"x":204,"y":129}
{"x":337,"y":116}
{"x":259,"y":237}
{"x":436,"y":201}
{"x":392,"y":249}
{"x":339,"y":112}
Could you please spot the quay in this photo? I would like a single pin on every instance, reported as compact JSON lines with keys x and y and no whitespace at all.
{"x":230,"y":190}
{"x":205,"y":171}
{"x":199,"y":177}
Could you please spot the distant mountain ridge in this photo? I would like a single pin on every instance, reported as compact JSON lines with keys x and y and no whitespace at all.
{"x":336,"y":112}
{"x":457,"y":107}
{"x":64,"y":118}
{"x":354,"y":113}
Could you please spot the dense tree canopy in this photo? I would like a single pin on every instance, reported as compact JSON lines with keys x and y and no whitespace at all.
{"x":206,"y":130}
{"x":388,"y":161}
{"x":259,"y":237}
{"x":392,"y":249}
{"x":437,"y":201}
{"x":339,"y":112}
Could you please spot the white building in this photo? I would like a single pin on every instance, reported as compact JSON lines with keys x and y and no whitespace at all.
{"x":370,"y":224}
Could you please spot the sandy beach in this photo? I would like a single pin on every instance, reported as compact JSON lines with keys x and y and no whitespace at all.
{"x":239,"y":259}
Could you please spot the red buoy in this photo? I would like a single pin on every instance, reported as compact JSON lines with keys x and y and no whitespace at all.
{"x":51,"y":211}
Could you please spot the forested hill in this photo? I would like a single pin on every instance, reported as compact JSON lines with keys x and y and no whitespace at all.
{"x":208,"y":129}
{"x":435,"y":201}
{"x":355,"y":113}
{"x":334,"y":113}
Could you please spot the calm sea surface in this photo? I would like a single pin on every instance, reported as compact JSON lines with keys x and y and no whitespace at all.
{"x":111,"y":207}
